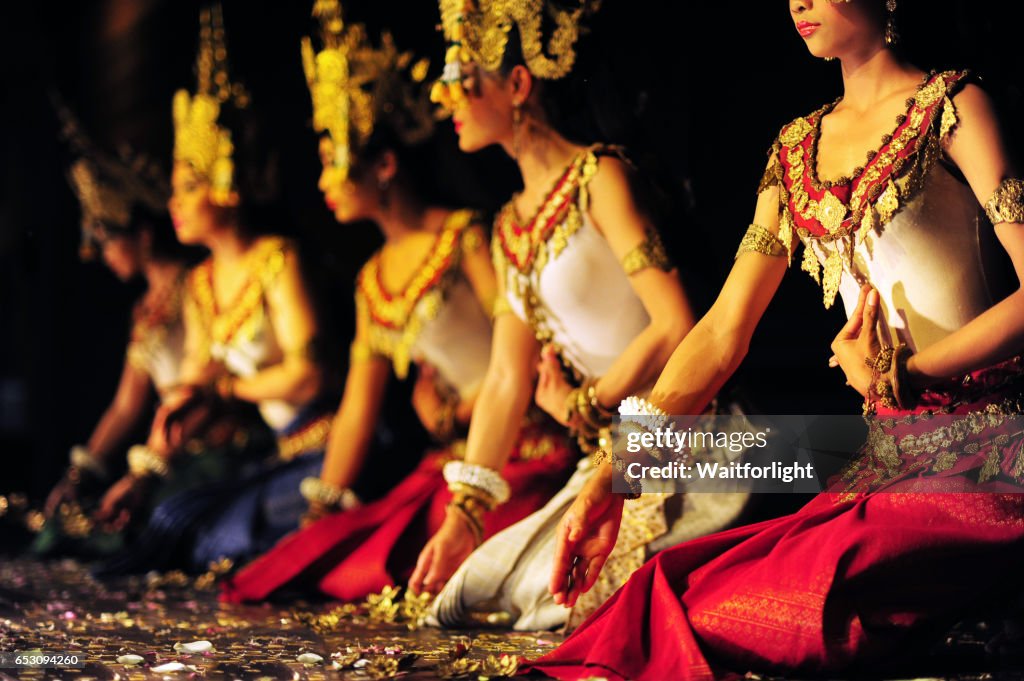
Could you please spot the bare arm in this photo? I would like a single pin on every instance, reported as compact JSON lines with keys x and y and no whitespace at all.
{"x":978,"y":149}
{"x":479,"y":271}
{"x":477,"y":266}
{"x":616,"y":215}
{"x":504,"y":398}
{"x":696,"y":371}
{"x":123,"y":414}
{"x":353,"y":425}
{"x":296,"y":378}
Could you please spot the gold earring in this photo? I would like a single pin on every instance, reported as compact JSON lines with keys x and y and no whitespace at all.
{"x":830,"y":58}
{"x":517,"y":124}
{"x":892,"y":36}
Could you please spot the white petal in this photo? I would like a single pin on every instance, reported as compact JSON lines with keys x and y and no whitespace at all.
{"x":131,"y":659}
{"x":194,"y":647}
{"x":170,"y":667}
{"x":309,"y":658}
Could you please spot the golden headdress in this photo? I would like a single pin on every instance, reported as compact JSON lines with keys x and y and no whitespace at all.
{"x":198,"y":139}
{"x":478,"y":32}
{"x":354,"y":86}
{"x":108,"y":187}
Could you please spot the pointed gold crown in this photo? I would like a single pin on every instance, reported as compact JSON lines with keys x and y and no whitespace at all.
{"x":355,"y":86}
{"x":108,"y":187}
{"x":198,"y":139}
{"x":477,"y":31}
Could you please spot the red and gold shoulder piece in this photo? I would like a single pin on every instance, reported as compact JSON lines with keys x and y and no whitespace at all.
{"x":524,"y":245}
{"x":393,"y":309}
{"x":847,"y":209}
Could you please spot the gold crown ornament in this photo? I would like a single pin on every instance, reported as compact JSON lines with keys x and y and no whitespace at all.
{"x":477,"y":31}
{"x":198,"y":139}
{"x":355,"y":86}
{"x":108,"y":187}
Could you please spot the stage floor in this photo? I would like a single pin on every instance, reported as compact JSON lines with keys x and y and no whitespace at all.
{"x":56,"y":608}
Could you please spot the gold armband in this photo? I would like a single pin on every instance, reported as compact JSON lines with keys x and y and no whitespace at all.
{"x":1007,"y":202}
{"x":501,"y":306}
{"x":649,"y":253}
{"x":759,"y":239}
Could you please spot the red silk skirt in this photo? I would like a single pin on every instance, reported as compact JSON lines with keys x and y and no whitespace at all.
{"x":353,"y":554}
{"x":877,"y":566}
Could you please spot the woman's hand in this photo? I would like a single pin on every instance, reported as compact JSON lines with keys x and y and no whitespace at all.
{"x":426,"y":399}
{"x":442,"y":555}
{"x":858,"y":340}
{"x":65,"y":491}
{"x":552,"y":388}
{"x":120,"y":501}
{"x":586,"y":537}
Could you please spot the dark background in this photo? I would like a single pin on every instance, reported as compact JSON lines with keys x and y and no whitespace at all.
{"x":717,"y":81}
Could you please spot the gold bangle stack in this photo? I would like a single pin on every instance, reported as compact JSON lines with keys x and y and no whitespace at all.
{"x":143,"y":462}
{"x":328,"y":497}
{"x":889,"y":385}
{"x":589,"y":420}
{"x":471,"y":503}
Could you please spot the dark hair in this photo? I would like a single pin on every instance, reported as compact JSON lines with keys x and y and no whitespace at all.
{"x":164,"y":243}
{"x":584,"y":106}
{"x":415,"y":164}
{"x":613,"y":96}
{"x":255,"y":159}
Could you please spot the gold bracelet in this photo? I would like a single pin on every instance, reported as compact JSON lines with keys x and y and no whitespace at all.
{"x":480,"y":497}
{"x":470,"y":517}
{"x":889,"y":384}
{"x":587,"y":417}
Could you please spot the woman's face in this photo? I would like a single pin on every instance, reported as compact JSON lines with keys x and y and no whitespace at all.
{"x":194,"y":216}
{"x":486,"y":118}
{"x":836,"y":29}
{"x":350,"y":199}
{"x":122,"y":254}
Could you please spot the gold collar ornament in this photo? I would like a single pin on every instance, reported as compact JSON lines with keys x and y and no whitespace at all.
{"x":477,"y":31}
{"x":198,"y":139}
{"x":354,"y":86}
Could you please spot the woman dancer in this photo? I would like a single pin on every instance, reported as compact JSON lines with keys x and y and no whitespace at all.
{"x":250,"y":333}
{"x":121,"y":219}
{"x":882,"y":561}
{"x":423,"y":299}
{"x":586,"y":290}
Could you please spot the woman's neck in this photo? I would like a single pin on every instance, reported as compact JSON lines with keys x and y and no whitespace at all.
{"x":542,"y":156}
{"x":403,"y":215}
{"x":229,"y":244}
{"x":160,"y":274}
{"x":872,"y":76}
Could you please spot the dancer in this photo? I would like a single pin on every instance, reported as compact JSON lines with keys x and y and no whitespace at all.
{"x":123,"y":219}
{"x":882,"y":561}
{"x":250,"y":336}
{"x":586,"y":291}
{"x":423,"y":299}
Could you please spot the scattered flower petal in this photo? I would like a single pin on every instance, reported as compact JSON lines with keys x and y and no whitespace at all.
{"x":193,"y":648}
